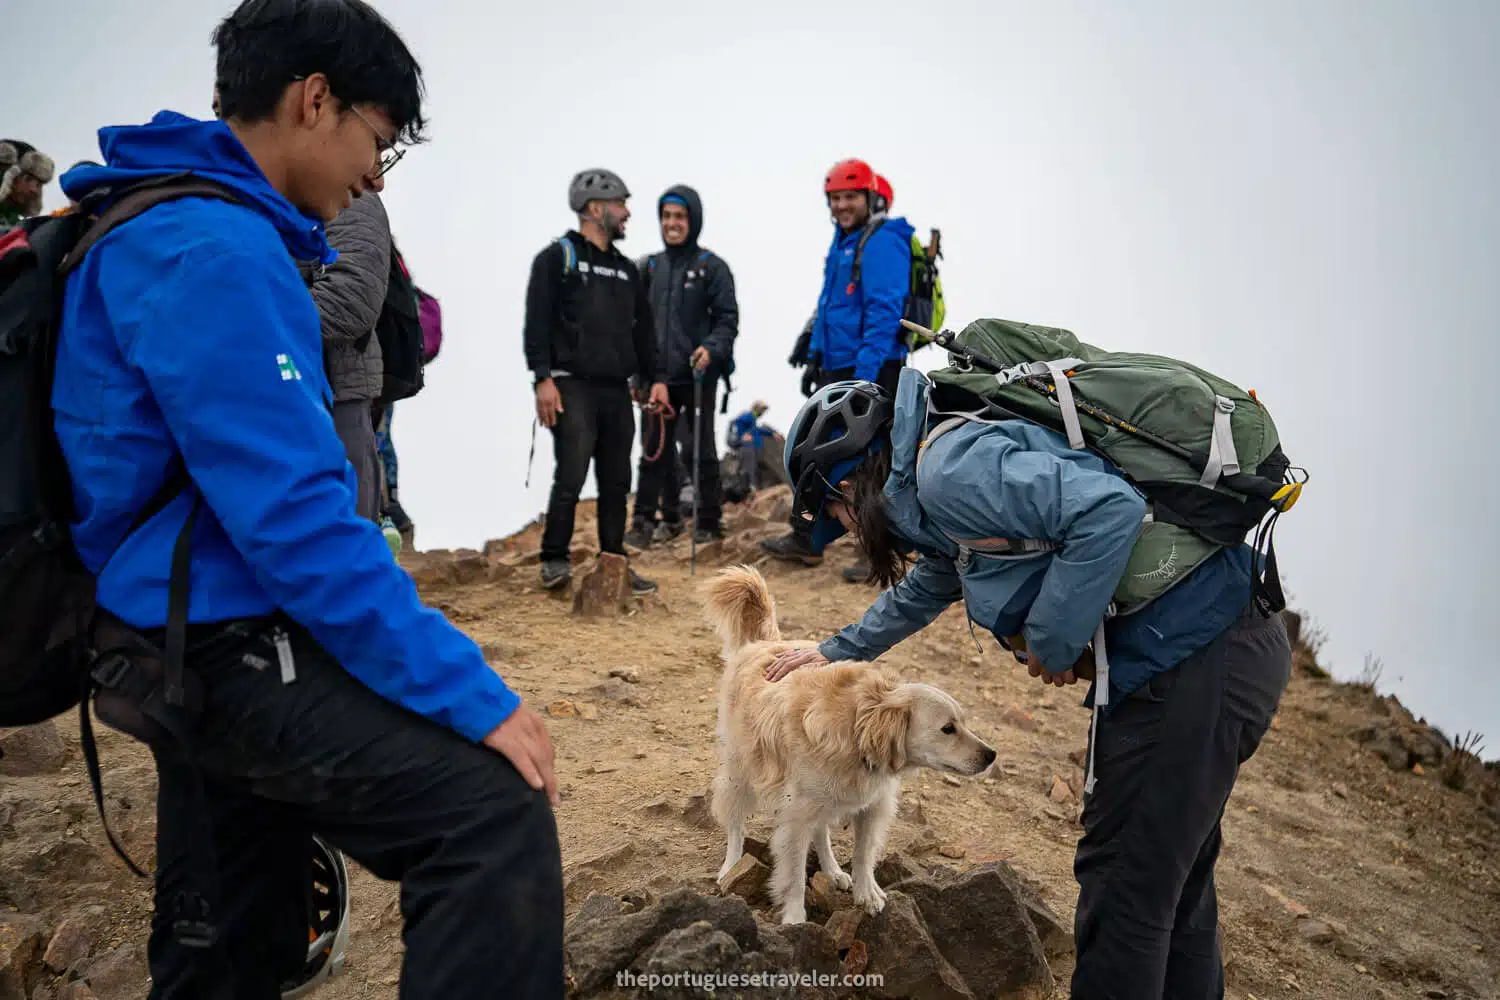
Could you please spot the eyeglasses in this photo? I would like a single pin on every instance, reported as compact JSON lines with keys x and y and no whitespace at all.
{"x":390,"y":154}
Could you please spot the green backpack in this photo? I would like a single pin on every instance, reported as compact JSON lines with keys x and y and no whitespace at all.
{"x":1204,"y":452}
{"x":924,"y":306}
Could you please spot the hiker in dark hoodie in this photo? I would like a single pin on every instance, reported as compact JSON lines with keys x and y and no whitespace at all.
{"x":697,"y":319}
{"x":588,"y":333}
{"x":189,"y":382}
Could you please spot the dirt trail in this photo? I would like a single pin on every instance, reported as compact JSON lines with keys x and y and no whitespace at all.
{"x":1395,"y":870}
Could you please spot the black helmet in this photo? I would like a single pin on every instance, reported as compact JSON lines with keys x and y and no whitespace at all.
{"x":595,"y":183}
{"x":832,"y":434}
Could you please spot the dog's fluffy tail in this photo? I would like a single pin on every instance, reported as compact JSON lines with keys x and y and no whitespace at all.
{"x":741,"y":608}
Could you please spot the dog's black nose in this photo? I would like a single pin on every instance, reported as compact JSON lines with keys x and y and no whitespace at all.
{"x":989,"y":756}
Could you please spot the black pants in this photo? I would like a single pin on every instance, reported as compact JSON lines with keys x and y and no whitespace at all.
{"x":1166,"y":760}
{"x":597,"y":423}
{"x":474,"y":847}
{"x":887,"y":378}
{"x":659,"y":483}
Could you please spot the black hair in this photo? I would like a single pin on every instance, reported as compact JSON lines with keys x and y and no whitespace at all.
{"x":872,"y":521}
{"x":266,"y":45}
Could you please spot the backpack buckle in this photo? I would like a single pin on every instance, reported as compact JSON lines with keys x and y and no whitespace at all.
{"x":194,"y":933}
{"x":111,"y":671}
{"x":190,"y":932}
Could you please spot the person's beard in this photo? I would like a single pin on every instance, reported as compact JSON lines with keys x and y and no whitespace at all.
{"x":614,"y":226}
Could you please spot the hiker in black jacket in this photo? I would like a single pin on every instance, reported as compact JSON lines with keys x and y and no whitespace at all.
{"x":588,"y":333}
{"x":697,"y":319}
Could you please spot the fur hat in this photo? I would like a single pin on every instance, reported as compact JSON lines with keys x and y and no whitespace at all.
{"x":19,"y":158}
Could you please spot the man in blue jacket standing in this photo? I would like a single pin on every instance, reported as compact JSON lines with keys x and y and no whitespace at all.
{"x":857,"y":332}
{"x":333,"y":702}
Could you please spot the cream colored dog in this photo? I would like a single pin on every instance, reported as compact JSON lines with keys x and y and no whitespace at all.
{"x":821,"y":745}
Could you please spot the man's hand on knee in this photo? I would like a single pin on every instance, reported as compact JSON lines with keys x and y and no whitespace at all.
{"x":524,"y":741}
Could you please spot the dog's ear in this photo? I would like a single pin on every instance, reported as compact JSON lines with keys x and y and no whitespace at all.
{"x":881,"y":727}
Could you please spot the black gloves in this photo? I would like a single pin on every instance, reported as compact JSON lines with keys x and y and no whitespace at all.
{"x":811,"y":376}
{"x":798,"y":357}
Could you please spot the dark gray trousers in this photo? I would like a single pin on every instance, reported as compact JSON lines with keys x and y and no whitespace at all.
{"x":355,"y":424}
{"x":1166,"y":759}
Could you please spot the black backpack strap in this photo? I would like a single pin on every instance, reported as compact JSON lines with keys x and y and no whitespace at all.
{"x":191,"y":913}
{"x":871,"y":228}
{"x":134,"y":200}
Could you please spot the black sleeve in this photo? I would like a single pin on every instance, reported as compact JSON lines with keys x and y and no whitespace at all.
{"x":649,"y":365}
{"x":542,"y":293}
{"x":723,"y":312}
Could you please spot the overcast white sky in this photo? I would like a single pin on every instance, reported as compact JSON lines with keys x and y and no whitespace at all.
{"x":1299,"y":196}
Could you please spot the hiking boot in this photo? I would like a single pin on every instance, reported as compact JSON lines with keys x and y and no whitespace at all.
{"x":640,"y":586}
{"x":639,"y":535}
{"x":705,"y":535}
{"x":793,"y":548}
{"x":666,"y":531}
{"x":858,"y":573}
{"x":392,"y":536}
{"x":556,"y":573}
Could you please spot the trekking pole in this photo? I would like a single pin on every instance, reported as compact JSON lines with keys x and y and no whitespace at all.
{"x":697,"y":422}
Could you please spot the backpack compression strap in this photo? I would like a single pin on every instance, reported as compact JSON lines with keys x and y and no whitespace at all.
{"x":871,"y":228}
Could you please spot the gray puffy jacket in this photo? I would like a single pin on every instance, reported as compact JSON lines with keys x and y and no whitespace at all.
{"x":349,"y":294}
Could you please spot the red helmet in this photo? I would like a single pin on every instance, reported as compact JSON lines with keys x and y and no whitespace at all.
{"x":849,"y":175}
{"x":884,"y":195}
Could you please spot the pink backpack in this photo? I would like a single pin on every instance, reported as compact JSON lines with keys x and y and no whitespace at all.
{"x":432,"y":325}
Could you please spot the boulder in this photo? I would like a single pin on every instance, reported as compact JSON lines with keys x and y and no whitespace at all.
{"x":598,"y":944}
{"x":983,"y":928}
{"x":70,"y":942}
{"x":605,"y":589}
{"x":810,"y":948}
{"x":470,"y":567}
{"x":699,"y":948}
{"x":31,"y":750}
{"x":903,"y":954}
{"x":747,"y":879}
{"x":697,"y":812}
{"x":120,"y":974}
{"x":430,"y":569}
{"x":21,"y":938}
{"x":843,"y":926}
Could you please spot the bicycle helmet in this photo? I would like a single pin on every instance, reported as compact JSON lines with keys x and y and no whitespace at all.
{"x":327,"y":922}
{"x":836,"y":429}
{"x":594,"y":184}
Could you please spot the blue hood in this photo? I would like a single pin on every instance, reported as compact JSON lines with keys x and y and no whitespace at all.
{"x":174,"y":143}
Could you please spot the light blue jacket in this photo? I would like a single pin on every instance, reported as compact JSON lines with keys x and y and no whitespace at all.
{"x":1016,"y":480}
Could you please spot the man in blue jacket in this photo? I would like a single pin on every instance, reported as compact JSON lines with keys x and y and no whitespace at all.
{"x":856,"y":332}
{"x":334,"y":703}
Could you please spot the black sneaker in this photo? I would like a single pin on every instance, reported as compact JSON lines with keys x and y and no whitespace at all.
{"x":640,"y":586}
{"x":639,"y":536}
{"x":792,"y":548}
{"x":666,"y":531}
{"x":556,"y":573}
{"x":705,"y":535}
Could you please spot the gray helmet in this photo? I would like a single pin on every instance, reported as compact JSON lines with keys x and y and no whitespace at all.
{"x":595,"y":183}
{"x":328,"y":922}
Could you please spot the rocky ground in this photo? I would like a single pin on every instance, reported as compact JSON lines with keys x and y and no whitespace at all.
{"x":1358,"y":858}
